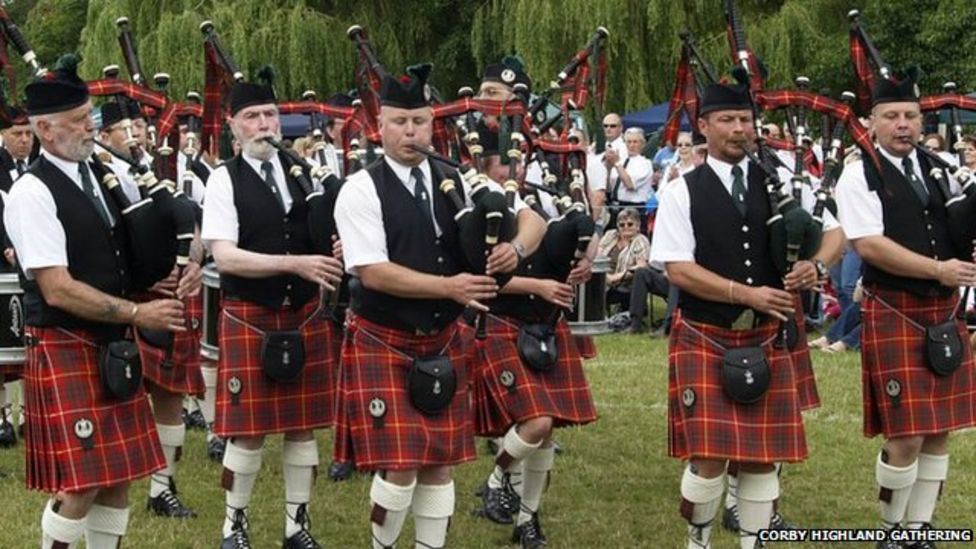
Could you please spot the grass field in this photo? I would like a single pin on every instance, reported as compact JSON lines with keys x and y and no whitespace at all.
{"x":614,"y":486}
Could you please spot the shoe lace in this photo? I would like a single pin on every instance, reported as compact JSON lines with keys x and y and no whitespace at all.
{"x":239,"y":530}
{"x":508,"y":498}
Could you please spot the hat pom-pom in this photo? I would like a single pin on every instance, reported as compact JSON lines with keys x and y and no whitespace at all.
{"x":68,"y":63}
{"x":420,"y":71}
{"x":266,"y":75}
{"x":514,"y":62}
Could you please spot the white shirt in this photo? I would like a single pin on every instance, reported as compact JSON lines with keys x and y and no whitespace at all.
{"x":220,"y":221}
{"x":596,"y":174}
{"x":198,"y":189}
{"x":121,"y":170}
{"x":31,"y":218}
{"x":674,"y":236}
{"x":641,"y":170}
{"x":359,"y":214}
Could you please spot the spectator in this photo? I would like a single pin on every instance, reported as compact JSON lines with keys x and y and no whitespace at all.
{"x":613,"y":128}
{"x":935,"y":143}
{"x":845,"y":333}
{"x":628,"y":250}
{"x":630,"y":179}
{"x":684,"y":160}
{"x":969,"y":151}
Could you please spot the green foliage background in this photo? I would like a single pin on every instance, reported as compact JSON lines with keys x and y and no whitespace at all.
{"x":305,"y":39}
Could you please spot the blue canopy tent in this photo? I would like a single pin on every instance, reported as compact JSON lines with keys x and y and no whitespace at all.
{"x":294,"y":125}
{"x":652,"y":118}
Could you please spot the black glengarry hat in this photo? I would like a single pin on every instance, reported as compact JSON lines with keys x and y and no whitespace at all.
{"x":57,"y":90}
{"x":897,"y":90}
{"x":247,"y":94}
{"x":509,"y":72}
{"x":408,"y":92}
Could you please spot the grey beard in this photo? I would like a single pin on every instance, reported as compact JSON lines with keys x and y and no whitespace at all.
{"x":259,"y":148}
{"x":79,"y":152}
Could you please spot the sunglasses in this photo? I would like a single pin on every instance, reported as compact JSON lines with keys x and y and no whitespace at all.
{"x":683,"y":145}
{"x":611,"y":125}
{"x":626,"y":224}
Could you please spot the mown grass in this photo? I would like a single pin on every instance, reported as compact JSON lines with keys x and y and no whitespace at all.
{"x":614,"y":486}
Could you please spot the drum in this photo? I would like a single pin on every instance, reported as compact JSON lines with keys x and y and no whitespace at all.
{"x":589,"y":314}
{"x":12,"y":350}
{"x":209,"y":349}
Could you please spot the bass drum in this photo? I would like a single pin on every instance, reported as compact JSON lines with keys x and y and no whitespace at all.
{"x":12,"y":349}
{"x":589,"y":314}
{"x":209,"y":349}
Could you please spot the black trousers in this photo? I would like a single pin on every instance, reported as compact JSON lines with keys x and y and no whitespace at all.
{"x":648,"y":280}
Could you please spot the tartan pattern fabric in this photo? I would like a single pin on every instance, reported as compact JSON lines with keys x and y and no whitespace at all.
{"x":901,"y":396}
{"x":864,"y":77}
{"x":585,"y":346}
{"x":216,"y":86}
{"x":824,"y":105}
{"x":139,"y":94}
{"x":168,"y":120}
{"x":806,"y":381}
{"x":505,"y":391}
{"x":401,"y":438}
{"x":705,"y":423}
{"x":248,"y":402}
{"x":77,"y":437}
{"x":684,"y":98}
{"x":941,"y":101}
{"x":180,"y":371}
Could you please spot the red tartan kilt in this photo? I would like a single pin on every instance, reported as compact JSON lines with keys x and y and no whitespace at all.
{"x":403,"y":438}
{"x":181,"y":373}
{"x":901,"y":396}
{"x":507,"y":392}
{"x":806,"y":381}
{"x":585,"y":345}
{"x":63,"y":395}
{"x":714,"y":426}
{"x":10,"y":372}
{"x":248,"y":402}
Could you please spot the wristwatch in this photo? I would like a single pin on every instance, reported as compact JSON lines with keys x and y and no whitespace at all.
{"x":822,"y":271}
{"x":519,"y":250}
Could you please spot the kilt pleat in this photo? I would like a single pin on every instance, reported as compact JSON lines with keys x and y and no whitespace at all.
{"x":705,"y":423}
{"x":77,"y":437}
{"x":249,"y":403}
{"x":506,"y":391}
{"x":806,"y":381}
{"x":901,"y":396}
{"x":180,"y":372}
{"x":373,"y":379}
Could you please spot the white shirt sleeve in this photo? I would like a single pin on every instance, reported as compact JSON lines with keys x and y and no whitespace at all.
{"x":674,"y":236}
{"x":31,"y":219}
{"x":596,"y":173}
{"x":810,"y":200}
{"x":359,"y":221}
{"x":858,"y":207}
{"x":219,"y":211}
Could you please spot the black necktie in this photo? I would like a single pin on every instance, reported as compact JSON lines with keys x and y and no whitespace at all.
{"x":89,"y":188}
{"x":738,"y":190}
{"x":420,"y":194}
{"x":20,"y":167}
{"x":917,"y":185}
{"x":268,"y":170}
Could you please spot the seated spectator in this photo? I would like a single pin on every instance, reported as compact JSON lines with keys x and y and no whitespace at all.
{"x":649,"y":279}
{"x":628,"y":250}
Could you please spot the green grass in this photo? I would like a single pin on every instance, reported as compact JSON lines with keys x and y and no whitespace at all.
{"x":614,"y":486}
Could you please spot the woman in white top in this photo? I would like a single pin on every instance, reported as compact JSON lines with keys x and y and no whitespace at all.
{"x":684,"y":160}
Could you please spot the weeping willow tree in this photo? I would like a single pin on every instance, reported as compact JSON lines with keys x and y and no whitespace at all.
{"x":791,"y":37}
{"x":304,"y":41}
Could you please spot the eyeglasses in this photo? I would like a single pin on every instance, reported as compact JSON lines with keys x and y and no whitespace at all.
{"x":623,"y":224}
{"x":611,"y":125}
{"x":683,"y":145}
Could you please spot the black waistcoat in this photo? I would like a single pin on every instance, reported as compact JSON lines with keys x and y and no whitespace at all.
{"x":411,"y":242}
{"x":922,"y":229}
{"x":96,"y":254}
{"x":264,"y":228}
{"x":726,"y":243}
